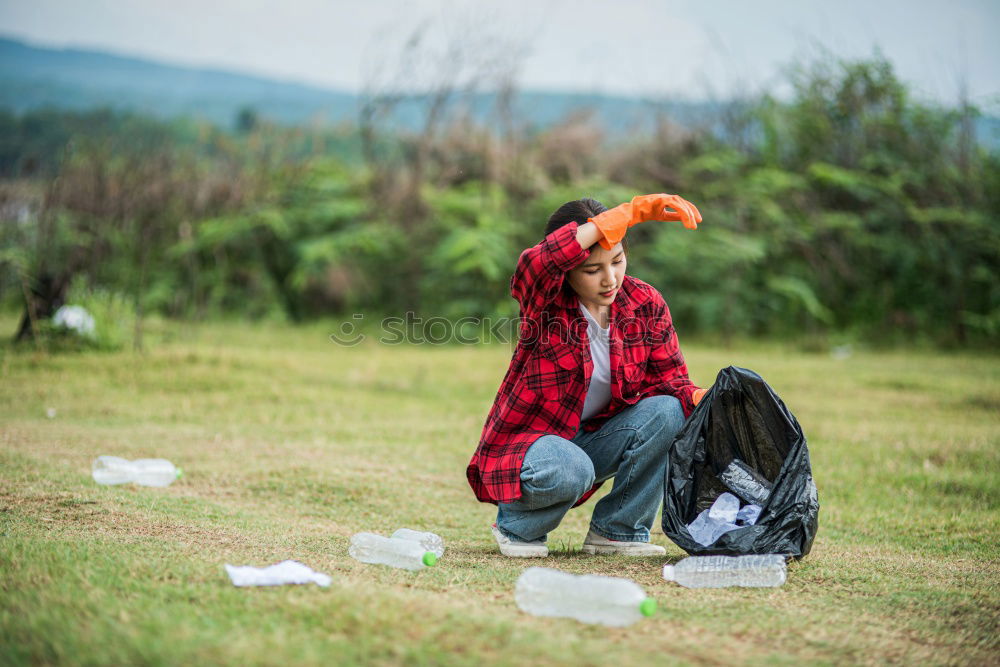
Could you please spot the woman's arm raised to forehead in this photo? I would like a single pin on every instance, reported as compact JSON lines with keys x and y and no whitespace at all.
{"x":541,"y":268}
{"x":588,"y":234}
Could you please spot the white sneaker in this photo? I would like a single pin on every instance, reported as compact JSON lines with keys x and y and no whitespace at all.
{"x":515,"y":549}
{"x":598,"y":544}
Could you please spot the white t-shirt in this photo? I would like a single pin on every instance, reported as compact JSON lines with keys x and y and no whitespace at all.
{"x":599,"y":389}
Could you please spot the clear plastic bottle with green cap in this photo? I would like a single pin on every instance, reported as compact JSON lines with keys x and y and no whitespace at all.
{"x":394,"y":552}
{"x":145,"y":472}
{"x":766,"y":570}
{"x":428,"y":541}
{"x":589,"y":598}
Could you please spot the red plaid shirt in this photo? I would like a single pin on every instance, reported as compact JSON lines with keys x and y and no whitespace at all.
{"x":545,"y":386}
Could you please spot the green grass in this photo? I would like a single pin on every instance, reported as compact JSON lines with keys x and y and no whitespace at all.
{"x":290,"y":444}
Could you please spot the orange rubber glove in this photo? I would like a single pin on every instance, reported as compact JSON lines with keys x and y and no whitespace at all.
{"x":698,"y":395}
{"x":614,"y":222}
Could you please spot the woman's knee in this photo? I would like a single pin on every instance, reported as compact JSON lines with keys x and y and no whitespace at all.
{"x":663,"y":408}
{"x":556,"y":469}
{"x":665,"y":416}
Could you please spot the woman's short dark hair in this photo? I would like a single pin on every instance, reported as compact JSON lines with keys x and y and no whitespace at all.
{"x":578,"y":210}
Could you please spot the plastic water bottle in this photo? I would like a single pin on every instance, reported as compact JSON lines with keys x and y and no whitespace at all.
{"x":145,"y":472}
{"x":589,"y":598}
{"x":429,"y":541}
{"x":406,"y":554}
{"x":746,"y":482}
{"x":721,"y":571}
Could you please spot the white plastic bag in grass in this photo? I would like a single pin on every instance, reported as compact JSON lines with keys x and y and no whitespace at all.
{"x":285,"y":572}
{"x":74,"y":318}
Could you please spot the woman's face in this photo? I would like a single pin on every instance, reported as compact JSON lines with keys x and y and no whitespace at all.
{"x":599,"y":277}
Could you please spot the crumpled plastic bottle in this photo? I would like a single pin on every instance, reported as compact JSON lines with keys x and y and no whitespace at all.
{"x":720,"y":571}
{"x":746,"y":483}
{"x":429,"y":541}
{"x":589,"y":598}
{"x":405,"y":554}
{"x":109,"y":470}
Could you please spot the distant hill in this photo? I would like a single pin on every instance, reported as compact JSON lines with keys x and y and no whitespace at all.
{"x":32,"y":77}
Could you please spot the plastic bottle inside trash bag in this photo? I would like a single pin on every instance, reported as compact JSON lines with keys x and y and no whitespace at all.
{"x":145,"y":472}
{"x":405,"y":554}
{"x":721,"y":571}
{"x":429,"y":541}
{"x":590,"y":598}
{"x":745,"y":482}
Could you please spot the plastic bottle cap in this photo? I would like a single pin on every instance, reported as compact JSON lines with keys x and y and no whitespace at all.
{"x":179,"y":473}
{"x":429,"y":558}
{"x":647,"y":607}
{"x":668,"y":572}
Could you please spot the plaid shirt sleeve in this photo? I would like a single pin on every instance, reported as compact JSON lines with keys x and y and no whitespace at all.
{"x":541,"y":269}
{"x":666,"y":370}
{"x":520,"y":413}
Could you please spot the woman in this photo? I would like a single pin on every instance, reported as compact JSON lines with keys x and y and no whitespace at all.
{"x":597,"y":387}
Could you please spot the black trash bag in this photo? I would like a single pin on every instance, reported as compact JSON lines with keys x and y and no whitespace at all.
{"x":742,"y":439}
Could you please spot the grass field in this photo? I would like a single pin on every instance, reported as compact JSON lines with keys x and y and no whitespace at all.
{"x":290,"y":444}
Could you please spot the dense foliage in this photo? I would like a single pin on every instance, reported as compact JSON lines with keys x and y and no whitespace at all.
{"x":851,"y":210}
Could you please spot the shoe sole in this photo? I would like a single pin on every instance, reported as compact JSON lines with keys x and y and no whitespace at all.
{"x":524,"y":554}
{"x":513,"y":551}
{"x":604,"y":549}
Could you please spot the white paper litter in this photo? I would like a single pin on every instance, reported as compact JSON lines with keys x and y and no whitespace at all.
{"x":723,"y":516}
{"x":285,"y":572}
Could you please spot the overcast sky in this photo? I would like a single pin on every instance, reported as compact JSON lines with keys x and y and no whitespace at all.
{"x":690,"y":50}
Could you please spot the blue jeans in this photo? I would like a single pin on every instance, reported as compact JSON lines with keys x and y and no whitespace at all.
{"x":631,"y":447}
